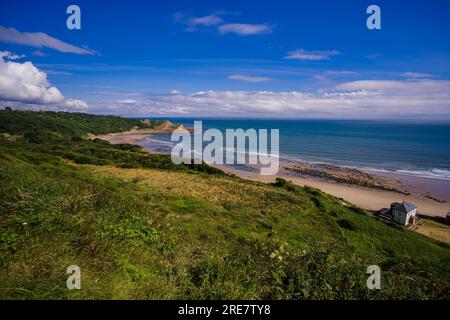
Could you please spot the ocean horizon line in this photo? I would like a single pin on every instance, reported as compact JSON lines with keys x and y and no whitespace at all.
{"x":399,"y":120}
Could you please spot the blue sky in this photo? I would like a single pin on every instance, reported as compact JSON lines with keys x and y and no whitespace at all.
{"x":230,"y":58}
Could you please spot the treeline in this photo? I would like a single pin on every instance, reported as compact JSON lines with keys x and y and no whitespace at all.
{"x":66,"y":123}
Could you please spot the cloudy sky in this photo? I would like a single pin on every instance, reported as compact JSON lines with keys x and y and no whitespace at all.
{"x":285,"y":59}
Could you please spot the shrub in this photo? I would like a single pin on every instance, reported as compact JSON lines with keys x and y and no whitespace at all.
{"x":343,"y":223}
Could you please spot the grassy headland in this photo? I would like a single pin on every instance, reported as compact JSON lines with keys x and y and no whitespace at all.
{"x":140,"y":227}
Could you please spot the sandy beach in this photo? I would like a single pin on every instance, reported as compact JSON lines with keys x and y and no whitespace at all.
{"x":368,"y":190}
{"x":131,"y":137}
{"x":367,"y":198}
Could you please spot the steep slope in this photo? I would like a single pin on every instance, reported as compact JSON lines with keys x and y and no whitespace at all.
{"x":155,"y":231}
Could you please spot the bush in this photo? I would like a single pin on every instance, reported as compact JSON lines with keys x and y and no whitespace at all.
{"x":343,"y":223}
{"x":282,"y":183}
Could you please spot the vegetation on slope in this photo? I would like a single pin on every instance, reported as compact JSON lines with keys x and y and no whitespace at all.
{"x":65,"y":123}
{"x":42,"y":134}
{"x":159,"y":232}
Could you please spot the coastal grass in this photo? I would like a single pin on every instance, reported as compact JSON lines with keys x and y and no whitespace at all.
{"x":160,"y":236}
{"x":153,"y":231}
{"x":435,"y":230}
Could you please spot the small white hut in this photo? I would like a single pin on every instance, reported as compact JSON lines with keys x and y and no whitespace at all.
{"x":403,"y":213}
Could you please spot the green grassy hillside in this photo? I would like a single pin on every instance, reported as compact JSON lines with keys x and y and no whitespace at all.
{"x":65,"y":123}
{"x":141,"y":228}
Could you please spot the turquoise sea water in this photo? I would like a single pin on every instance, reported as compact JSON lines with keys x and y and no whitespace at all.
{"x":420,"y":149}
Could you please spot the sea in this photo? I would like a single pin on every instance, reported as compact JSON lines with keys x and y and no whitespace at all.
{"x":415,"y":148}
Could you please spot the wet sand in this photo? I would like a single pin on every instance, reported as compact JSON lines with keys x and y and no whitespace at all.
{"x":429,"y":187}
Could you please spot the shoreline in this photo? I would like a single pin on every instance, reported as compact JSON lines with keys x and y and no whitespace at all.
{"x":368,"y":190}
{"x":131,"y":136}
{"x":366,"y":198}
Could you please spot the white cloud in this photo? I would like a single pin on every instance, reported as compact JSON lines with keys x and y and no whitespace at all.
{"x":333,"y":73}
{"x":58,"y":72}
{"x":39,"y":53}
{"x":398,"y":87}
{"x":207,"y":21}
{"x":416,"y":75}
{"x":128,"y":101}
{"x":244,"y":78}
{"x":10,"y":56}
{"x":75,"y":104}
{"x":214,"y":21}
{"x":198,"y":23}
{"x":24,"y":83}
{"x":342,"y":72}
{"x":369,"y":99}
{"x":39,"y":40}
{"x":314,"y":55}
{"x":244,"y":29}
